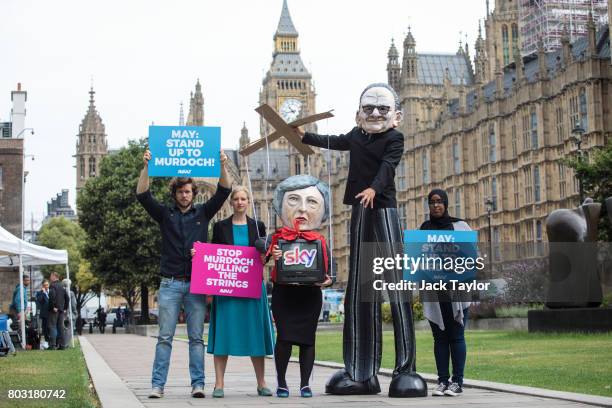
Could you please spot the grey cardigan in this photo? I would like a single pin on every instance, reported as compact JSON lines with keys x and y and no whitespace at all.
{"x":432,"y":311}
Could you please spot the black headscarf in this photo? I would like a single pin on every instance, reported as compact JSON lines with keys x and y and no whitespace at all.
{"x":445,"y":222}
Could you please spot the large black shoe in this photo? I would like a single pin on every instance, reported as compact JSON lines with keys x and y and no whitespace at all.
{"x":341,"y":384}
{"x":407,"y":385}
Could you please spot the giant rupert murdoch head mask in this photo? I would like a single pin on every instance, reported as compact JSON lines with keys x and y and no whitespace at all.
{"x":379,"y":109}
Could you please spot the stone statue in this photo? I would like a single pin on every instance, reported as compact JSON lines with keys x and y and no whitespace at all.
{"x":573,"y":280}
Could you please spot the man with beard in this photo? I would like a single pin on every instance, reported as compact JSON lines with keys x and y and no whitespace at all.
{"x":376,"y":149}
{"x":181,"y":225}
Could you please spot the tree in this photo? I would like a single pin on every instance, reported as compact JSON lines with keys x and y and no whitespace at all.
{"x":60,"y":233}
{"x":596,"y":176}
{"x":122,"y":242}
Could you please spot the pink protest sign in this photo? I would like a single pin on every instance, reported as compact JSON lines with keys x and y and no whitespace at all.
{"x":226,"y":270}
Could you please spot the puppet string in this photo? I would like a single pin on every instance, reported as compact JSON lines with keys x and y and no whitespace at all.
{"x":266,"y":178}
{"x":246,"y":166}
{"x":331,"y":204}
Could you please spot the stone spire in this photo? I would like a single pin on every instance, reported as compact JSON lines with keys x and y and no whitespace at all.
{"x":409,"y":64}
{"x":499,"y":78}
{"x":393,"y":54}
{"x":92,"y":121}
{"x":542,"y":67}
{"x":480,"y":59}
{"x":244,"y":136}
{"x":91,"y":144}
{"x":591,"y":36}
{"x":285,"y":24}
{"x":196,"y":107}
{"x":393,"y":68}
{"x":286,"y":36}
{"x":566,"y":47}
{"x":460,"y":50}
{"x":181,"y":116}
{"x":409,"y":42}
{"x":519,"y":68}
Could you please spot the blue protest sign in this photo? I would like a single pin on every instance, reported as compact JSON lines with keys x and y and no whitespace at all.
{"x":184,"y":151}
{"x":441,"y":255}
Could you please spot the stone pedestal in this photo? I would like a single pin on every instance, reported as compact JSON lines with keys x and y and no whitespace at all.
{"x":588,"y":320}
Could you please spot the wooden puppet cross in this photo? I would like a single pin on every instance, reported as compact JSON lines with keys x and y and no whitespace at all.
{"x":283,"y":128}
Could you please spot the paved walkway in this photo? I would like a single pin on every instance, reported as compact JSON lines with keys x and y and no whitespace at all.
{"x":131,"y":358}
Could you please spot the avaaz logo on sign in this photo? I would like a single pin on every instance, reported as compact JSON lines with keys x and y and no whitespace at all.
{"x":184,"y":151}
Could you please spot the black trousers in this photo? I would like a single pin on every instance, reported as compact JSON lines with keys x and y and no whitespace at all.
{"x":374,"y":232}
{"x":44,"y":323}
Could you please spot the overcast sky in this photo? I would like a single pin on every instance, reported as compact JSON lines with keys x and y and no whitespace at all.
{"x":146,"y":55}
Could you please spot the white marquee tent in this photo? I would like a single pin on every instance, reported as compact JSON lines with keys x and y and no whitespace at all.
{"x":17,"y":252}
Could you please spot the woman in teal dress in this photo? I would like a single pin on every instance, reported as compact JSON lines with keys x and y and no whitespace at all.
{"x":240,"y":326}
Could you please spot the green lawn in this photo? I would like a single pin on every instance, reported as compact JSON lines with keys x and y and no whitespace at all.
{"x":47,"y":370}
{"x":566,"y":362}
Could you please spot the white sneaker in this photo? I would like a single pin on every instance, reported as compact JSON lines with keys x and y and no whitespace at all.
{"x":156,"y":392}
{"x":453,"y":390}
{"x":197,"y":391}
{"x":439,"y":390}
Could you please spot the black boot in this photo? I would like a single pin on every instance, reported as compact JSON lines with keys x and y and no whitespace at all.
{"x":341,"y":384}
{"x":407,"y":385}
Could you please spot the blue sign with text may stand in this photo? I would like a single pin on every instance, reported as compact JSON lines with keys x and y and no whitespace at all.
{"x":441,"y":255}
{"x":184,"y":151}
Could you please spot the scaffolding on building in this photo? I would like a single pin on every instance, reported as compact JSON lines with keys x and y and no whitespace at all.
{"x":549,"y":20}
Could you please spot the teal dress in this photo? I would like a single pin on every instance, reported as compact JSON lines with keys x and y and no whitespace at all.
{"x":241,"y":326}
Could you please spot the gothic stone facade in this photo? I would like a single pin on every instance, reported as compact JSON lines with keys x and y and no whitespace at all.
{"x":506,"y":140}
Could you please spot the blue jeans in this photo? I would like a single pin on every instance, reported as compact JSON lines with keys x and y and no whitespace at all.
{"x":449,"y":344}
{"x":55,"y":323}
{"x":171,"y":296}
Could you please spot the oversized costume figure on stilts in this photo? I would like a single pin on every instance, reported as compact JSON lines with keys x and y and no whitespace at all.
{"x":376,"y":149}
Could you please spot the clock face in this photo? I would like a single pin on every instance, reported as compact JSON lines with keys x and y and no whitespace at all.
{"x":290,"y":109}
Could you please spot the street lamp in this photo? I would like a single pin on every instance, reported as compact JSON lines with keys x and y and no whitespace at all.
{"x":22,"y":131}
{"x":21,"y":291}
{"x":577,"y":133}
{"x":489,"y":203}
{"x":23,"y":180}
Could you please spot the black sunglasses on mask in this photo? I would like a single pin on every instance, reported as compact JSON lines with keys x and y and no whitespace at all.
{"x":382,"y":109}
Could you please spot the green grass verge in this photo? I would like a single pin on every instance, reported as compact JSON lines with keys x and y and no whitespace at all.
{"x":565,"y":362}
{"x":47,"y":370}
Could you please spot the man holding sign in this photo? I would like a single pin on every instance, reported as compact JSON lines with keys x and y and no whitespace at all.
{"x":181,"y":225}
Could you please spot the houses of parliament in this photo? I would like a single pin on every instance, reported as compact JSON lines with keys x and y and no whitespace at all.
{"x":490,"y":125}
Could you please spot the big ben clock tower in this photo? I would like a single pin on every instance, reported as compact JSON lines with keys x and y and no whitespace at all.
{"x":287,"y":87}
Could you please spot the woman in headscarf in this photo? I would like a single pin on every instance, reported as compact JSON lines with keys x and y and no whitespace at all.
{"x":448,"y":315}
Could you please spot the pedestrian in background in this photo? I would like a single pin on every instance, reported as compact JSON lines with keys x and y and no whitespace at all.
{"x":58,"y":305}
{"x":101,"y":320}
{"x":17,"y":304}
{"x":42,"y":307}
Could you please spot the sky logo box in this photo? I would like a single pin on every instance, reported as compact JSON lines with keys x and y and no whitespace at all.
{"x":185,"y":151}
{"x":434,"y":256}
